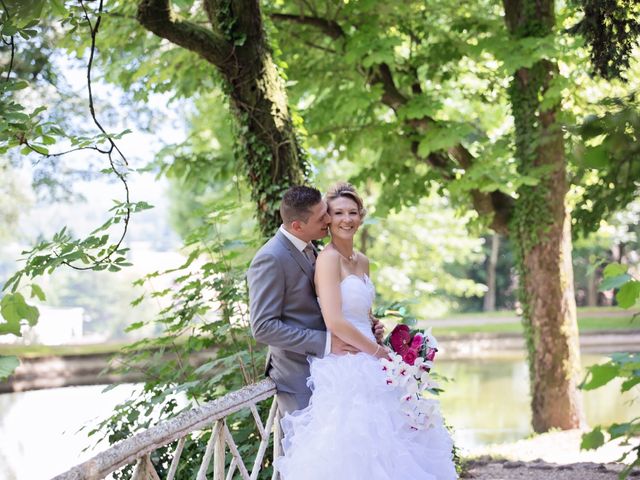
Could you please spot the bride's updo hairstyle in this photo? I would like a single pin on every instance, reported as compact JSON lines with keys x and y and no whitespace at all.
{"x":346,"y":190}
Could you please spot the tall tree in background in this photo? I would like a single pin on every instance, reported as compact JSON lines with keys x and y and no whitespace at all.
{"x":541,"y":225}
{"x":489,"y":303}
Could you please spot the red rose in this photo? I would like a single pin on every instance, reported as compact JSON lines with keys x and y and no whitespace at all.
{"x":400,"y":338}
{"x":410,"y":356}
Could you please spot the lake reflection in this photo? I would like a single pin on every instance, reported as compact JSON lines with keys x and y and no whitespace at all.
{"x":487,"y":401}
{"x":39,"y":430}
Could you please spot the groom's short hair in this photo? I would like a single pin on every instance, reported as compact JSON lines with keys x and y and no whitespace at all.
{"x":297,"y":202}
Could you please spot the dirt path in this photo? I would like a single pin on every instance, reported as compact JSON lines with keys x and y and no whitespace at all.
{"x":505,"y":470}
{"x":554,"y":455}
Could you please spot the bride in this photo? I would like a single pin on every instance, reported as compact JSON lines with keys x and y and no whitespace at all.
{"x":354,"y":427}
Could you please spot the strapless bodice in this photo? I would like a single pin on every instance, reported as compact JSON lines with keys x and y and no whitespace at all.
{"x":358,"y":294}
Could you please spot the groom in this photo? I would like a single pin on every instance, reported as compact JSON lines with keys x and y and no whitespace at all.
{"x":284,"y":310}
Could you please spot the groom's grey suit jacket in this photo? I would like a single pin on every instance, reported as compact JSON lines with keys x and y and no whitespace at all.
{"x":284,"y":312}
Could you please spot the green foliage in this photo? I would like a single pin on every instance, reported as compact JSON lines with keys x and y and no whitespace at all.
{"x":611,"y":145}
{"x":628,"y":288}
{"x":15,"y":309}
{"x":7,"y":366}
{"x":611,"y":29}
{"x":414,"y":260}
{"x":15,"y":312}
{"x":624,"y":367}
{"x":205,"y":309}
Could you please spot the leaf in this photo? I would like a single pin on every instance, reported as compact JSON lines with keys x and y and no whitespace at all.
{"x":36,"y":291}
{"x":134,"y":326}
{"x":25,"y":11}
{"x":40,"y":149}
{"x":8,"y":364}
{"x":620,"y":429}
{"x":596,"y":157}
{"x":592,"y":439}
{"x":628,"y":294}
{"x":614,"y":270}
{"x":614,"y":282}
{"x":14,"y":309}
{"x":629,"y":384}
{"x":599,"y":375}
{"x":443,"y":136}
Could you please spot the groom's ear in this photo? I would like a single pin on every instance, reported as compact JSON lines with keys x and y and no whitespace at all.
{"x":295,"y":226}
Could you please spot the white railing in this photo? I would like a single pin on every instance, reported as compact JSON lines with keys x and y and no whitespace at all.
{"x":211,"y":415}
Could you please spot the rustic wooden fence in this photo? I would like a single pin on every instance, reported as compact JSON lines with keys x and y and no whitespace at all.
{"x":138,"y":448}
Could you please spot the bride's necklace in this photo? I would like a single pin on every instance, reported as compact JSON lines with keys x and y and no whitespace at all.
{"x":350,"y":258}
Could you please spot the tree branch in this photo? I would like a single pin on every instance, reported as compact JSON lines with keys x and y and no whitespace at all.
{"x":496,"y":203}
{"x":328,"y":27}
{"x":391,"y":97}
{"x":157,"y":17}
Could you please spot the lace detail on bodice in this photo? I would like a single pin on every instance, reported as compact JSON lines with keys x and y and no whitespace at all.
{"x":358,"y":294}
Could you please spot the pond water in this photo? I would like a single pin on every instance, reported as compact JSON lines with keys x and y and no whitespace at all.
{"x":487,"y":401}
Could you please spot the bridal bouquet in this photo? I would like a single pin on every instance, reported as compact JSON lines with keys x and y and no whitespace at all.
{"x":412,"y":345}
{"x":409,"y":369}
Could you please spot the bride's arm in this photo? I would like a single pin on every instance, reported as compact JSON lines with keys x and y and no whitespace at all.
{"x":328,"y":289}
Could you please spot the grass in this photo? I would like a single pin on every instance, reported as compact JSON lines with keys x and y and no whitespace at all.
{"x":29,"y":351}
{"x":585,"y":324}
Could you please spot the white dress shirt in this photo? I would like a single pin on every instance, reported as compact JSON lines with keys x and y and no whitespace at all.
{"x":301,"y":245}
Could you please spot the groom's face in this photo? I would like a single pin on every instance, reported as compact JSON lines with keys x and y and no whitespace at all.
{"x":317,"y":226}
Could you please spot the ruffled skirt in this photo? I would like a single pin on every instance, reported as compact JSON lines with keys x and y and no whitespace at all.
{"x":354,"y":428}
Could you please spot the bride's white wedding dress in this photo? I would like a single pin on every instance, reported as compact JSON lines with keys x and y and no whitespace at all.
{"x":353,"y":427}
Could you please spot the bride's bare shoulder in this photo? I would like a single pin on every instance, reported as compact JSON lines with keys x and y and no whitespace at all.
{"x":328,"y":255}
{"x":363,"y":259}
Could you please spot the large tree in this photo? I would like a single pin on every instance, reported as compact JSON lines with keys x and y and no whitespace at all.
{"x":541,"y":225}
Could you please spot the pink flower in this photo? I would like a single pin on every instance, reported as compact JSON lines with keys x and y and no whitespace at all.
{"x":416,"y":343}
{"x":400,"y":338}
{"x":410,"y":356}
{"x":431,"y":354}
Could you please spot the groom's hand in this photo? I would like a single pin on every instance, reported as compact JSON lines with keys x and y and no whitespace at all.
{"x":340,"y":347}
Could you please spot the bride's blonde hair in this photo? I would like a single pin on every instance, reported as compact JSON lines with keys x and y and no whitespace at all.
{"x":346,"y":190}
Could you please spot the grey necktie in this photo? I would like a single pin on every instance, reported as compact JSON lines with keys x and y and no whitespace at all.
{"x":310,"y":254}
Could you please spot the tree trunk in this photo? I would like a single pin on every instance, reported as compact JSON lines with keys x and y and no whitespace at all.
{"x":541,"y":227}
{"x":592,"y":289}
{"x":492,"y":263}
{"x":235,"y":42}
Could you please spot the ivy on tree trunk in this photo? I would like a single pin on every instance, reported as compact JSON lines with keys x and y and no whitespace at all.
{"x":235,"y":42}
{"x":541,"y":226}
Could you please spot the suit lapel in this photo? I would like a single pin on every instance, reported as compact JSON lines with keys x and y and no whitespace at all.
{"x":298,"y":256}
